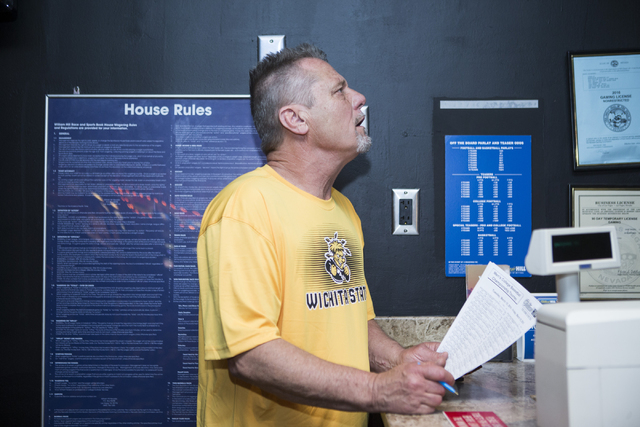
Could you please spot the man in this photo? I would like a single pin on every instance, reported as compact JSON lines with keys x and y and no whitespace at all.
{"x":287,"y":336}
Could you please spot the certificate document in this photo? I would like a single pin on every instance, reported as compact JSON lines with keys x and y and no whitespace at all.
{"x":620,"y":208}
{"x":606,"y":100}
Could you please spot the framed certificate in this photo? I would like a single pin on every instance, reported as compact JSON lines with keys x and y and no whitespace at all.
{"x":605,"y":101}
{"x":620,"y":206}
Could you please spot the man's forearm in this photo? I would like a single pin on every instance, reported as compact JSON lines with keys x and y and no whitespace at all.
{"x":384,"y":352}
{"x":402,"y":385}
{"x":288,"y":372}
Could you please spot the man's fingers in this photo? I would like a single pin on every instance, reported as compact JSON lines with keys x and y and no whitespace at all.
{"x":411,"y":388}
{"x":428,"y":404}
{"x":434,"y":373}
{"x":426,"y":352}
{"x":433,"y":346}
{"x":442,"y":358}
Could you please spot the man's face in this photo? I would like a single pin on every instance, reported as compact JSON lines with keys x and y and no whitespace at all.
{"x":335,"y":116}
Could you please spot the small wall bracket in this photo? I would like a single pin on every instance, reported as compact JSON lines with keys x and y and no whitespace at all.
{"x":269,"y":44}
{"x":365,"y":123}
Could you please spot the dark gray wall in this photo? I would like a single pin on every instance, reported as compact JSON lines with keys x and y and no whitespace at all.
{"x":401,"y":55}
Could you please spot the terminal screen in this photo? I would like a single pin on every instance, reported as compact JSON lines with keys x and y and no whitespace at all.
{"x":577,"y":247}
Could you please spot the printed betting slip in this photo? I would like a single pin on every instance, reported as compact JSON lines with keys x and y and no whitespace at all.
{"x":497,"y":313}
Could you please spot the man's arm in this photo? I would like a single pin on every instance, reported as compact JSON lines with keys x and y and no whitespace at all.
{"x":286,"y":371}
{"x":385,"y":353}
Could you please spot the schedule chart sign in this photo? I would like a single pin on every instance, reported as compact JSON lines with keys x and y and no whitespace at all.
{"x":488,"y":201}
{"x":127,"y":181}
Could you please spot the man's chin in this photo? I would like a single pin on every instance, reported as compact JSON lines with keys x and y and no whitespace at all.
{"x":364,"y":143}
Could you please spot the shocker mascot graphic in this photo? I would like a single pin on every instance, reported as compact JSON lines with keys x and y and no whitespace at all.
{"x":336,"y":261}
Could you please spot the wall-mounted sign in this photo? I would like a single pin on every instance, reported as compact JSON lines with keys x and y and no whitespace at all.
{"x":127,"y":179}
{"x":488,"y":201}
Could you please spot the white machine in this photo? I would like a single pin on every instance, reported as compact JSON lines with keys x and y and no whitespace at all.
{"x":588,"y":364}
{"x":566,"y":251}
{"x":587,"y":354}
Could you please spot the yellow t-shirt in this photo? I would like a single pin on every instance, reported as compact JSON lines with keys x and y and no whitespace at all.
{"x":277,"y":262}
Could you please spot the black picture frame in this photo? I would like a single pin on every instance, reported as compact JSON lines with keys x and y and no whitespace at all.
{"x":578,"y":108}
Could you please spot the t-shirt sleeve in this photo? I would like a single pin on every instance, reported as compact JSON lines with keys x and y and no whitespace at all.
{"x":240,"y":287}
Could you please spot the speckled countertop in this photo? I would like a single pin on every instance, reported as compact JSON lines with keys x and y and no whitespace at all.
{"x":507,"y":389}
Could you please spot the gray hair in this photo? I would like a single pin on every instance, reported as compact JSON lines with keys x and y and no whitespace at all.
{"x":277,"y":81}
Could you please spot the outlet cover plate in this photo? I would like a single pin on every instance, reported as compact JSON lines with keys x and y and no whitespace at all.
{"x":405,"y":193}
{"x":269,"y":44}
{"x":365,"y":123}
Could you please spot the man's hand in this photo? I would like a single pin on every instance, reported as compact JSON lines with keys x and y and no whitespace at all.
{"x":410,"y":388}
{"x":385,"y":353}
{"x":407,"y":382}
{"x":425,"y":352}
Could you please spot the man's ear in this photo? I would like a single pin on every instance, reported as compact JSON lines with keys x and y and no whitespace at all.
{"x":293,"y":118}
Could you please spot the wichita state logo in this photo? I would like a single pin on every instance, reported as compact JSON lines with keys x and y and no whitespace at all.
{"x":336,"y":259}
{"x":324,"y":295}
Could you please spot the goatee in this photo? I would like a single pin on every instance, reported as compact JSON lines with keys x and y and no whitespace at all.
{"x":364,"y":143}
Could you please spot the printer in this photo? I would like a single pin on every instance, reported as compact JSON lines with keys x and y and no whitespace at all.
{"x":587,"y":353}
{"x":588,"y":364}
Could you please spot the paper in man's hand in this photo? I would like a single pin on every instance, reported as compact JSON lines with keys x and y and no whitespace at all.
{"x":497,"y":313}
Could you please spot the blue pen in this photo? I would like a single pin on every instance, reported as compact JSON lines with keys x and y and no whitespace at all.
{"x":447,"y":386}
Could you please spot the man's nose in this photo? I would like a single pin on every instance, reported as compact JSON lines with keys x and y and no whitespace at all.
{"x":358,"y":100}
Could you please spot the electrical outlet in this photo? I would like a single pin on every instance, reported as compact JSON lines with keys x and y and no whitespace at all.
{"x":405,"y":211}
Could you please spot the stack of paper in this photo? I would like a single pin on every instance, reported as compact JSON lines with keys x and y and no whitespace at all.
{"x":497,"y":313}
